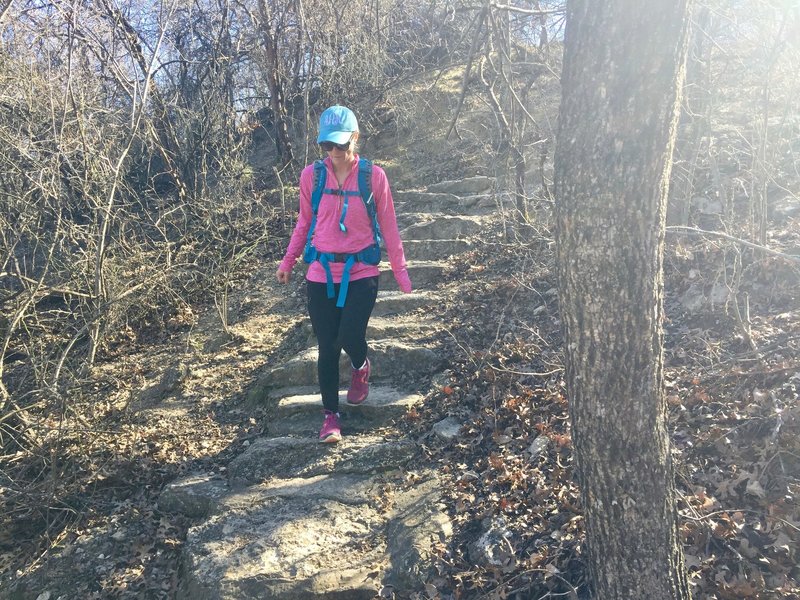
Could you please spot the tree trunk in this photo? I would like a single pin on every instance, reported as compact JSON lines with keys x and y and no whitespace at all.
{"x":161,"y":126}
{"x":623,"y":67}
{"x":275,"y":84}
{"x":694,"y":119}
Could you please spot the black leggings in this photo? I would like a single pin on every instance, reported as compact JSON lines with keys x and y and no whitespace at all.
{"x":340,"y":328}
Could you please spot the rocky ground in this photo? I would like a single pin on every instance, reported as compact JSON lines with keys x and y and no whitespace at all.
{"x":205,"y":480}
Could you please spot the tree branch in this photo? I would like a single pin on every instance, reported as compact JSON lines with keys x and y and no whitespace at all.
{"x":465,"y":83}
{"x":4,"y":8}
{"x":528,"y":11}
{"x":725,"y":236}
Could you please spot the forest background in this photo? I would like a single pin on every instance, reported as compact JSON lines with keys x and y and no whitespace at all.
{"x":148,"y":158}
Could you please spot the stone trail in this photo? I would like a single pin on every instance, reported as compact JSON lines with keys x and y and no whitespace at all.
{"x":300,"y":520}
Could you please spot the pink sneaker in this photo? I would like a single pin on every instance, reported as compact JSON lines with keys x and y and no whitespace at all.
{"x":330,"y":432}
{"x":359,"y":385}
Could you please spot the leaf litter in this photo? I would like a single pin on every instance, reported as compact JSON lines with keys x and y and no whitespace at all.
{"x":518,"y":527}
{"x":735,"y":424}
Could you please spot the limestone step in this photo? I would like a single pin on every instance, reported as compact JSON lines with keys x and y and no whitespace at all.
{"x":400,"y":327}
{"x":196,"y":495}
{"x":348,"y":488}
{"x":424,"y":274}
{"x":396,"y":327}
{"x":435,"y":249}
{"x":307,"y":457}
{"x":200,"y":495}
{"x":411,"y":203}
{"x":418,"y":201}
{"x":480,"y":205}
{"x":324,"y":537}
{"x":395,"y":302}
{"x":443,"y":227}
{"x":389,"y":359}
{"x":306,"y":549}
{"x":301,"y":415}
{"x":466,"y":186}
{"x":415,"y":202}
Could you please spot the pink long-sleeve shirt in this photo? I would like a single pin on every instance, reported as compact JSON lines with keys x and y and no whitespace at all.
{"x":328,"y":237}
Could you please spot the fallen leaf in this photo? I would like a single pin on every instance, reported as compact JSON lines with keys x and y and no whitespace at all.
{"x":754,"y":488}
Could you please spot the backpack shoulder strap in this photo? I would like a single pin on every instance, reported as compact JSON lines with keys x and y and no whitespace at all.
{"x":318,"y":185}
{"x":320,"y":175}
{"x":365,"y":185}
{"x":365,"y":189}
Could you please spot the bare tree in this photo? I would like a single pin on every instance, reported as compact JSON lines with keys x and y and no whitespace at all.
{"x":4,"y":7}
{"x":623,"y":67}
{"x":511,"y":47}
{"x":736,"y":117}
{"x":269,"y":32}
{"x":88,"y":241}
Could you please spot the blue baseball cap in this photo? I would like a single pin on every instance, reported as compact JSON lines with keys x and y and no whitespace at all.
{"x":336,"y":125}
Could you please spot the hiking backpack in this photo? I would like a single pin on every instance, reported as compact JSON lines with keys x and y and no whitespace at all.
{"x":370,"y":255}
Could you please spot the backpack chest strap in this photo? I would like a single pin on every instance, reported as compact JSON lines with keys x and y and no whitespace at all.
{"x":346,"y":195}
{"x":337,"y":192}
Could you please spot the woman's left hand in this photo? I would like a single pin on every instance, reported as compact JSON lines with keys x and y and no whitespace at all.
{"x":403,"y":280}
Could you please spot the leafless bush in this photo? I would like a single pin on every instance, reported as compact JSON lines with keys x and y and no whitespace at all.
{"x":736,"y":160}
{"x":515,"y":55}
{"x":119,"y":194}
{"x":125,"y":195}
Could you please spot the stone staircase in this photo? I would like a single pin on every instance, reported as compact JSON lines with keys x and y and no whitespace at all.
{"x":296,"y":519}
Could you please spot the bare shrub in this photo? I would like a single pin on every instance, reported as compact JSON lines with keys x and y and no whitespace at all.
{"x":125,"y":195}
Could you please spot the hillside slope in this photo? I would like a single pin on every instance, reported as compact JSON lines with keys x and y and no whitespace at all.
{"x":455,"y":480}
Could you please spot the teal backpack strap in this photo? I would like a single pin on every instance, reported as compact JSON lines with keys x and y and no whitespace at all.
{"x":342,"y":227}
{"x":324,"y":258}
{"x":365,"y":188}
{"x":345,"y":283}
{"x":320,"y":174}
{"x":344,"y":194}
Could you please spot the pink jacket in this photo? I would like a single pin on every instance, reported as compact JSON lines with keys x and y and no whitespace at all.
{"x":328,"y":237}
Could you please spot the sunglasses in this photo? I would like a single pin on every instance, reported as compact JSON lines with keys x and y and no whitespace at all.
{"x":329,"y":146}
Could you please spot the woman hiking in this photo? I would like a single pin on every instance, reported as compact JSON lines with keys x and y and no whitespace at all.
{"x":340,"y":241}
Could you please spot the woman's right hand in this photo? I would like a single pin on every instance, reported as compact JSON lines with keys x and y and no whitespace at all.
{"x":283,"y":276}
